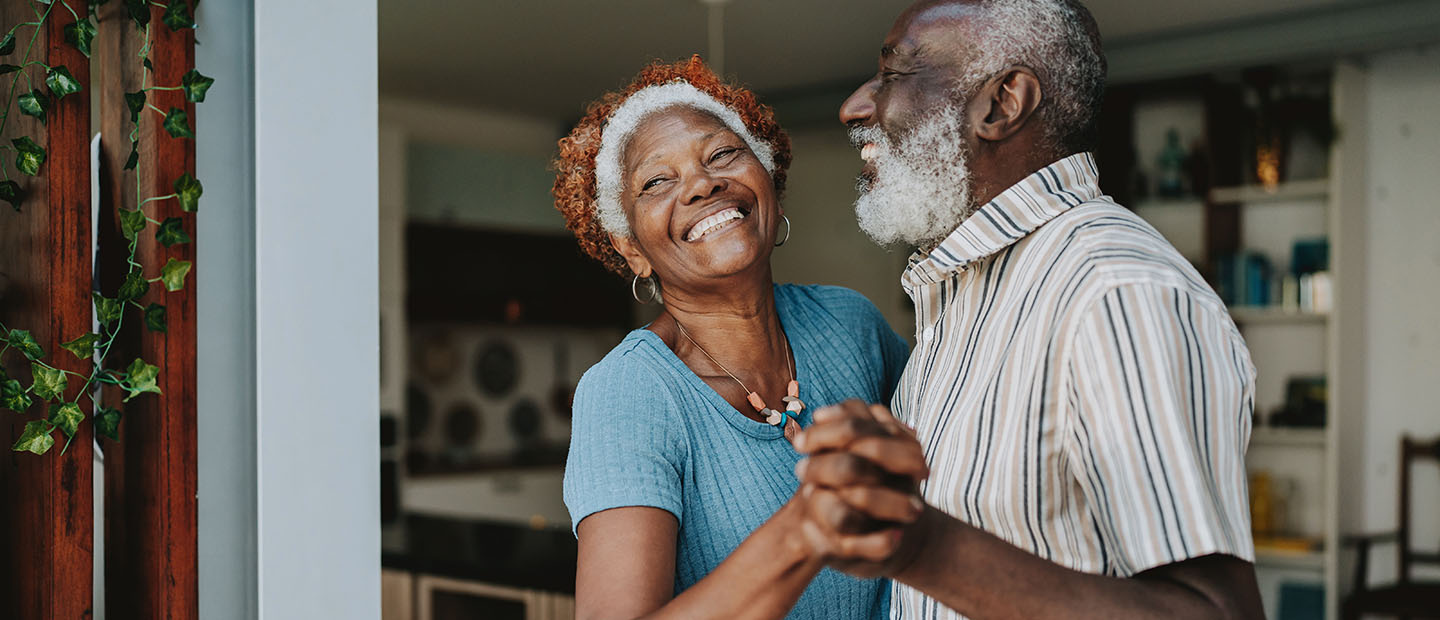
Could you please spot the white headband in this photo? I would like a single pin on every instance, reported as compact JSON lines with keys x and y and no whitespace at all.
{"x":622,"y":124}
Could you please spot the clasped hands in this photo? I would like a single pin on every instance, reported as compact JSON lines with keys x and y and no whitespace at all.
{"x":858,"y":505}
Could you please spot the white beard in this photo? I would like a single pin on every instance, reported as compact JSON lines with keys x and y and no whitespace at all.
{"x":921,"y":190}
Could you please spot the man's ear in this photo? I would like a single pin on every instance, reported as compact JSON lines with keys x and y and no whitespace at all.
{"x":627,"y":248}
{"x":1006,"y":104}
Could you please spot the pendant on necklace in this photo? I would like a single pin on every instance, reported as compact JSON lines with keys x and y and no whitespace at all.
{"x":792,"y":428}
{"x":788,"y":419}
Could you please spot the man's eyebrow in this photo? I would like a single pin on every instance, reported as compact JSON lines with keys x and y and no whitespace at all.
{"x":900,"y":52}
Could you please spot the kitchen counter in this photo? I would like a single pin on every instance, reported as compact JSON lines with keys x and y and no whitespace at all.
{"x":491,"y":552}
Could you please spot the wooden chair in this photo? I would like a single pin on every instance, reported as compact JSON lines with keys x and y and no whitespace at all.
{"x":1405,"y":598}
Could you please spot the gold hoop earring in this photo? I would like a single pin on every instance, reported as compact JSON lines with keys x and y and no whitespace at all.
{"x":787,"y":231}
{"x":635,"y":290}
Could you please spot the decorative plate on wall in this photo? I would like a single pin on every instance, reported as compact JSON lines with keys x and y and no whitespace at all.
{"x":437,"y":358}
{"x":497,"y":369}
{"x":525,"y":420}
{"x":462,"y":426}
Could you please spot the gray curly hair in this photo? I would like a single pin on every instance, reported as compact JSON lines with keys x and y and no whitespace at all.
{"x":1059,"y":40}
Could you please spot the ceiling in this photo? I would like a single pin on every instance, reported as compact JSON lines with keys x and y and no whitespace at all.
{"x":546,"y":58}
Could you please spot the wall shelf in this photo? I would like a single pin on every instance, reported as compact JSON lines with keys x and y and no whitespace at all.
{"x":1315,"y":189}
{"x":1274,"y":314}
{"x":1283,"y":436}
{"x":1289,"y":558}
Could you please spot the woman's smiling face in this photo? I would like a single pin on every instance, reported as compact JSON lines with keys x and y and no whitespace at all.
{"x":699,"y":203}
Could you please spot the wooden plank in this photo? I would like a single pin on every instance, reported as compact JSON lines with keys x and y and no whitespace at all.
{"x":47,"y":515}
{"x":151,"y":520}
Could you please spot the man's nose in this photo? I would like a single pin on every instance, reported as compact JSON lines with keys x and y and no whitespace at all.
{"x":860,"y":106}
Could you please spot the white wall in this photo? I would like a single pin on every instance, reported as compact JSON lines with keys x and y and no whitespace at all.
{"x":1399,"y":281}
{"x":225,"y":315}
{"x":316,"y":319}
{"x":826,"y":246}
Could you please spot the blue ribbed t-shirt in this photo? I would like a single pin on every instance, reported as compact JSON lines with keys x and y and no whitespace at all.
{"x":648,"y":432}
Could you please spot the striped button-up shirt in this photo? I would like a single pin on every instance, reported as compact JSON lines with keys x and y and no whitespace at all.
{"x":1079,"y":390}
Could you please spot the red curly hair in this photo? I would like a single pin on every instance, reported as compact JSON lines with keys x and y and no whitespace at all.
{"x":574,"y":189}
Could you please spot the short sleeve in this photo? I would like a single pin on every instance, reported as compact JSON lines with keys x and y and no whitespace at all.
{"x":1162,"y":391}
{"x":622,"y":451}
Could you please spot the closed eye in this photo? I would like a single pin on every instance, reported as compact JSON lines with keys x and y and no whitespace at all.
{"x":887,"y":76}
{"x":652,"y":183}
{"x":723,"y":153}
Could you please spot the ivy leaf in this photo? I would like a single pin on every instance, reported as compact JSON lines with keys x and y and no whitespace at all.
{"x":83,"y":347}
{"x":66,"y":417}
{"x":155,"y":318}
{"x":107,"y":310}
{"x":107,"y":423}
{"x":139,"y":11}
{"x":36,"y":439}
{"x":28,"y":155}
{"x":25,"y":343}
{"x":33,"y":103}
{"x":177,"y":124}
{"x":7,"y":45}
{"x":172,"y":231}
{"x":60,"y":82}
{"x":140,"y":378}
{"x":8,"y":68}
{"x":10,"y":192}
{"x":13,"y":396}
{"x":132,"y":221}
{"x":196,"y":85}
{"x":136,"y":102}
{"x":134,"y":158}
{"x":81,"y":34}
{"x":148,"y":65}
{"x":49,"y":382}
{"x":188,"y":190}
{"x":133,"y":287}
{"x":173,"y":274}
{"x":177,"y":16}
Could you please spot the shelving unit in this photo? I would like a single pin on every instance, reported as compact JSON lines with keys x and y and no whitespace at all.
{"x":1231,"y":215}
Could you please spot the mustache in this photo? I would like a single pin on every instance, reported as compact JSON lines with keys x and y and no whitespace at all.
{"x":860,"y":136}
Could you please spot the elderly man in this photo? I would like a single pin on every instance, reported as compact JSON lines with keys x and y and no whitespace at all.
{"x":1081,"y":397}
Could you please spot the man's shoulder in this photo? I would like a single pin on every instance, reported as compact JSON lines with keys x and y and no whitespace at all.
{"x":1113,"y":246}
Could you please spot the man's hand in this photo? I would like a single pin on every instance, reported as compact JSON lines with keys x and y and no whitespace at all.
{"x":861,"y":478}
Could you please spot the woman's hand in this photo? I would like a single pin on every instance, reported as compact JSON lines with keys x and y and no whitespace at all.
{"x":858,"y":495}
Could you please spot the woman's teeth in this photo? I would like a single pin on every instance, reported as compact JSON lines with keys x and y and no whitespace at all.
{"x":711,"y":223}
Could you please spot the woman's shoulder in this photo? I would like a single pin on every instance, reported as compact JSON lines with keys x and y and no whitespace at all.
{"x":633,"y":372}
{"x":844,"y":304}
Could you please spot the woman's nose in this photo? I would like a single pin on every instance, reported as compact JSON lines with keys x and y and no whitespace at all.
{"x":860,"y":106}
{"x":702,"y":185}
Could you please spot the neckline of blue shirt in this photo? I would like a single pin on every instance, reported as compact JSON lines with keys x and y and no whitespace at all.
{"x":759,"y":430}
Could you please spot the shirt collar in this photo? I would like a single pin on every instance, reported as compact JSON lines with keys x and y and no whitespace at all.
{"x":1016,"y":212}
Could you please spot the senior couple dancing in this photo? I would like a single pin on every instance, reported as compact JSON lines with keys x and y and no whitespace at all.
{"x":1066,"y":439}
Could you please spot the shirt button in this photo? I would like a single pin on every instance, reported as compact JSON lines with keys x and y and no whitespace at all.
{"x":929,"y":333}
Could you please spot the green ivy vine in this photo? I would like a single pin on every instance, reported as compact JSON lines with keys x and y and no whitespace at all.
{"x":49,"y":383}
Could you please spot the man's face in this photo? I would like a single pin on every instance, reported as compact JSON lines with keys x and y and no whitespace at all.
{"x":910,"y":123}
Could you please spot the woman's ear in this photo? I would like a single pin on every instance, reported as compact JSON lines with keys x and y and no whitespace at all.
{"x":1006,"y":104}
{"x":631,"y":252}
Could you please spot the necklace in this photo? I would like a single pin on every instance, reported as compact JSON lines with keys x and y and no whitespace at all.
{"x":793,"y":405}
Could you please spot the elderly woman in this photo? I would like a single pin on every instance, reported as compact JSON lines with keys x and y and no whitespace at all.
{"x":680,"y":479}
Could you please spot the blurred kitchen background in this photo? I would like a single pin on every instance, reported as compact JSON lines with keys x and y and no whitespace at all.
{"x":1289,"y":148}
